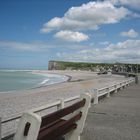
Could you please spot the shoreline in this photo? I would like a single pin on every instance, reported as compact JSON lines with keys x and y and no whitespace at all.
{"x":46,"y":72}
{"x":44,"y":83}
{"x":72,"y":77}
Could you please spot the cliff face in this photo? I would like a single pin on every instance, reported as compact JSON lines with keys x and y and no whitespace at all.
{"x":61,"y":65}
{"x":54,"y":65}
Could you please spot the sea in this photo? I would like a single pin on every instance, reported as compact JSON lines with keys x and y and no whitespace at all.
{"x":14,"y":80}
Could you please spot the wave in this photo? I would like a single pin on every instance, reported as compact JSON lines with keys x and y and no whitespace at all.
{"x":14,"y":80}
{"x":53,"y":79}
{"x":44,"y":82}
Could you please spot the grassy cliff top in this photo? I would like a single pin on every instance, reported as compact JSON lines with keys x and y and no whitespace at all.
{"x":63,"y":65}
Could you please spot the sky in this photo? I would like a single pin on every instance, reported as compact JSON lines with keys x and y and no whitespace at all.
{"x":32,"y":32}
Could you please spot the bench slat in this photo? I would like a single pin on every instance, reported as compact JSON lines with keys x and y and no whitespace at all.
{"x":59,"y":129}
{"x":51,"y":124}
{"x":61,"y":113}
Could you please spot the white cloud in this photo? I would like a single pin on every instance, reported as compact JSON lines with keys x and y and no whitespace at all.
{"x":131,"y":33}
{"x":87,"y":17}
{"x":71,"y":36}
{"x":38,"y":46}
{"x":130,"y":3}
{"x":127,"y":51}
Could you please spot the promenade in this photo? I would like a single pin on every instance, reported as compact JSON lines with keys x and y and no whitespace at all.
{"x":115,"y":118}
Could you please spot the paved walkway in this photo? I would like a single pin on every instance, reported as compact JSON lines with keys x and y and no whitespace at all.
{"x":115,"y":118}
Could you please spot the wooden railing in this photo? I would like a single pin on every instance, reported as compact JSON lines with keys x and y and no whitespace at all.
{"x":60,"y":103}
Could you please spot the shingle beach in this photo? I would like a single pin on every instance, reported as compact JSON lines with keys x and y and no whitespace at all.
{"x":15,"y":103}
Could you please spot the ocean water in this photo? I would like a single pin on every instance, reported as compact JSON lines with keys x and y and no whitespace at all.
{"x":11,"y":80}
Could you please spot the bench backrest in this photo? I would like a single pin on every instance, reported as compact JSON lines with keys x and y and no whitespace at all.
{"x":68,"y":122}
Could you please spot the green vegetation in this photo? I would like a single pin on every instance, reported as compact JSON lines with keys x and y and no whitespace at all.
{"x":80,"y":65}
{"x":62,"y":65}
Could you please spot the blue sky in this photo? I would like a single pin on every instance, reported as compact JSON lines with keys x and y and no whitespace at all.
{"x":32,"y":32}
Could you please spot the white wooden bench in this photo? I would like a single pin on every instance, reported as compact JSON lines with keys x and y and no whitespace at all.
{"x":66,"y":123}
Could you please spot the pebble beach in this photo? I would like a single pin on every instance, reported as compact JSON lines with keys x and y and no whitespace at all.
{"x":16,"y":102}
